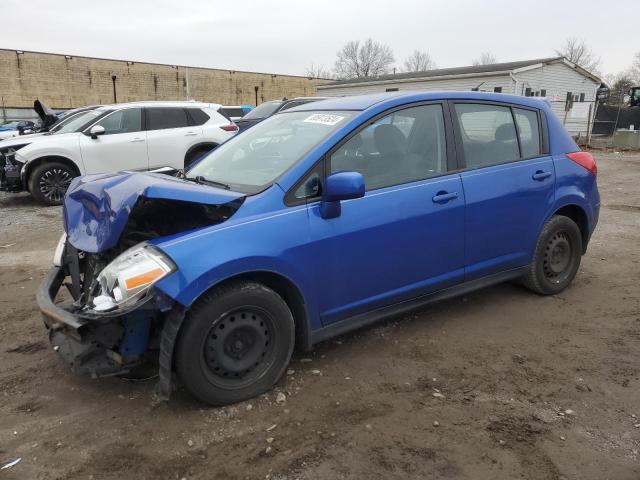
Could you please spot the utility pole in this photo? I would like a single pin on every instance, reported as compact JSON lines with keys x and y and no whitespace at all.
{"x":186,"y":78}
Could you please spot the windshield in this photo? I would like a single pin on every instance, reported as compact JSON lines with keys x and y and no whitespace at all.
{"x":254,"y":159}
{"x":263,"y":111}
{"x":77,"y":122}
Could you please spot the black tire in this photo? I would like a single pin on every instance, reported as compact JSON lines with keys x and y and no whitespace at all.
{"x":235,"y":343}
{"x":49,"y":182}
{"x":196,"y":153}
{"x":557,"y":257}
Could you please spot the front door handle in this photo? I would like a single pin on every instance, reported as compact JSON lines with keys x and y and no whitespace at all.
{"x":444,"y":197}
{"x":137,"y":139}
{"x":540,"y":175}
{"x":191,"y":134}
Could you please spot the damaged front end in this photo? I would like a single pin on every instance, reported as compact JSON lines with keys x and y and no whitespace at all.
{"x":113,"y":319}
{"x":11,"y":179}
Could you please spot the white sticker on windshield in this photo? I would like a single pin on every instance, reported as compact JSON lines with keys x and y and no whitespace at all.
{"x":324,"y":119}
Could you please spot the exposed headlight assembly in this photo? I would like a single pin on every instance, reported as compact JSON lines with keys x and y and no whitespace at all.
{"x":127,"y":278}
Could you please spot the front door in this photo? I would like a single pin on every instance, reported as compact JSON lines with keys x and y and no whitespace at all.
{"x":509,"y":184}
{"x":123,"y":146}
{"x":404,"y":238}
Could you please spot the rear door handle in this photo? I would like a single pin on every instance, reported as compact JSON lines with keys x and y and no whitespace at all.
{"x":137,"y":139}
{"x":444,"y":197}
{"x":540,"y":175}
{"x":191,"y":134}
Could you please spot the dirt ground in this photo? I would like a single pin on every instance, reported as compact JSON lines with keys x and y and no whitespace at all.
{"x":500,"y":384}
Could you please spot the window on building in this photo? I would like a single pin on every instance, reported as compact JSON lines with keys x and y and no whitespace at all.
{"x":162,"y":118}
{"x":391,"y":90}
{"x":529,"y":131}
{"x":497,"y":89}
{"x":543,"y":93}
{"x":527,"y":92}
{"x":582,"y":97}
{"x":123,"y":121}
{"x":488,"y":134}
{"x":404,"y":146}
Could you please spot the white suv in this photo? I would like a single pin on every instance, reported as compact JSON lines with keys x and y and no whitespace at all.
{"x":160,"y":136}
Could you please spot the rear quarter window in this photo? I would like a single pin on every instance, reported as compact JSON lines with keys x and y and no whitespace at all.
{"x":197,"y":116}
{"x":529,"y":131}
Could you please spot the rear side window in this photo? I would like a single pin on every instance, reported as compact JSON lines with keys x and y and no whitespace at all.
{"x":122,"y":121}
{"x":198,"y":117}
{"x":163,"y":118}
{"x":488,"y":134}
{"x":529,"y":131}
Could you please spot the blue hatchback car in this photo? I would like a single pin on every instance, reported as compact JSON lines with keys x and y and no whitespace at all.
{"x":321,"y":219}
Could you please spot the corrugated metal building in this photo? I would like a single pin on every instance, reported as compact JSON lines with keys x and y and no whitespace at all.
{"x":570,"y":88}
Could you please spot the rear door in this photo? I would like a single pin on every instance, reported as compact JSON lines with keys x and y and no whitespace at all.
{"x":404,"y":238}
{"x":123,"y":146}
{"x":509,"y":183}
{"x":170,"y":135}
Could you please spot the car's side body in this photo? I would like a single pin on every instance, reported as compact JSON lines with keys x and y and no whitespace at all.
{"x":290,"y":235}
{"x":343,"y":264}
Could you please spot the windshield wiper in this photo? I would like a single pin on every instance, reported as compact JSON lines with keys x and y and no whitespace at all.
{"x":204,"y":181}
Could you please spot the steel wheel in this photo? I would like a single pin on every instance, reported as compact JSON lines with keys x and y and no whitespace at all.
{"x":238,"y":347}
{"x":557,"y":257}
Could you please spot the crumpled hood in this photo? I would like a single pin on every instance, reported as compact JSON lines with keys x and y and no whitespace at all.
{"x":97,"y":207}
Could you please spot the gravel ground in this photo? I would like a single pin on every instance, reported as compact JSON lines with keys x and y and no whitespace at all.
{"x":498,"y":384}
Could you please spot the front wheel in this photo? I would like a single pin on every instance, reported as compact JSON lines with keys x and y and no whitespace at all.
{"x":557,"y":257}
{"x":49,"y":182}
{"x":235,"y":343}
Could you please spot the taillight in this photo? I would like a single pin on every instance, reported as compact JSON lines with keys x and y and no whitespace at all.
{"x":585,"y":160}
{"x":232,"y":127}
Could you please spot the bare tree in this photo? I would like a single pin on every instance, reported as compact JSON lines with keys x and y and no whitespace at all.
{"x":419,"y":62}
{"x":318,"y":71}
{"x":635,"y":68}
{"x":487,"y":58}
{"x":369,"y":59}
{"x":577,"y":51}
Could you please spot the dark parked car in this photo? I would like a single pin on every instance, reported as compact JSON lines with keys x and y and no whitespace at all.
{"x":315,"y":222}
{"x":266,"y":109}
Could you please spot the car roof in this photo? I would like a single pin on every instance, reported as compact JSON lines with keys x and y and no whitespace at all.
{"x":159,"y":103}
{"x":363,"y":102}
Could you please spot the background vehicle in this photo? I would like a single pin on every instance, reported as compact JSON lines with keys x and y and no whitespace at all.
{"x":321,"y":219}
{"x":130,"y":136}
{"x":15,"y":128}
{"x":266,"y":109}
{"x":234,"y":113}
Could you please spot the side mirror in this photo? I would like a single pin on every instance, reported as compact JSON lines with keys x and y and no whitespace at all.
{"x":340,"y":186}
{"x":96,"y":130}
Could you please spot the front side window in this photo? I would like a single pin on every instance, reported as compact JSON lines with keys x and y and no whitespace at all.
{"x":122,"y":121}
{"x":76,"y":123}
{"x":404,"y":146}
{"x":528,"y":129}
{"x":488,"y":134}
{"x":163,"y":118}
{"x":254,"y":160}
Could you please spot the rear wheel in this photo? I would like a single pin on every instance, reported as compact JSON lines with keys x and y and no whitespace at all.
{"x":235,"y":343}
{"x":49,"y":182}
{"x":196,"y":153}
{"x":557,"y":257}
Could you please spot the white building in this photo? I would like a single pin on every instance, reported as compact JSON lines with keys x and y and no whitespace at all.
{"x":557,"y":79}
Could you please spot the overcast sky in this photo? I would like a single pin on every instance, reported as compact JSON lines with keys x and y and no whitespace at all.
{"x":286,"y":36}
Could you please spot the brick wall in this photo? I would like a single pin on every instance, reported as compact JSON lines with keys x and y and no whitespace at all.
{"x":67,"y":82}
